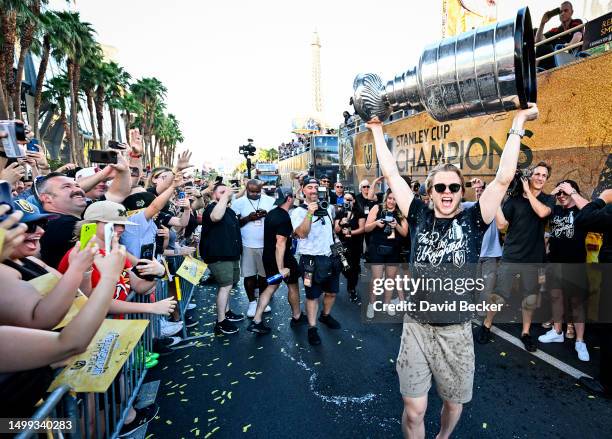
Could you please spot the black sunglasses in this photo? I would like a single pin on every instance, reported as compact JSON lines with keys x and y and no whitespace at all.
{"x":441,"y":187}
{"x":33,"y":225}
{"x":562,"y":194}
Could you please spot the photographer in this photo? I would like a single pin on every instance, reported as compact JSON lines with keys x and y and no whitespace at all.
{"x":312,"y":223}
{"x":387,"y":226}
{"x":350,"y":228}
{"x":252,"y":210}
{"x":524,"y":214}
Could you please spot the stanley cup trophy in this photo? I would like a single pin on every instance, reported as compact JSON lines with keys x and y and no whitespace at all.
{"x":487,"y":70}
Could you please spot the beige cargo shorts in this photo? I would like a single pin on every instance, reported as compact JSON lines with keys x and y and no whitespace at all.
{"x":444,"y":352}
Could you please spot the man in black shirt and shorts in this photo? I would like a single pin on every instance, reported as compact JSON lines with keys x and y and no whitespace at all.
{"x":525,"y":216}
{"x":277,"y":258}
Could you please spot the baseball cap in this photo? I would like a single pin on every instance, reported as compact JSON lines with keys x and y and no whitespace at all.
{"x":282,"y":193}
{"x":310,"y":180}
{"x":107,"y":212}
{"x":86,"y":172}
{"x":139,"y":200}
{"x":422,"y":191}
{"x":31,"y":213}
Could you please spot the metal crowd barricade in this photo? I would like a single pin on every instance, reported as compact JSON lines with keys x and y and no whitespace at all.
{"x":102,"y":415}
{"x":187,"y":290}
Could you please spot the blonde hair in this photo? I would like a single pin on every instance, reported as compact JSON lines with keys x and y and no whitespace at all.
{"x":443,"y":167}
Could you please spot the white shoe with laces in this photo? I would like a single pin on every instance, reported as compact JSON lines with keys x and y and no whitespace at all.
{"x":551,"y":337}
{"x":252,"y":308}
{"x":370,"y":311}
{"x":583,"y":353}
{"x":268,"y":309}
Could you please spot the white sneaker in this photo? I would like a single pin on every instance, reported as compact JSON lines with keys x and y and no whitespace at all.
{"x":583,"y":353}
{"x":551,"y":337}
{"x":370,"y":311}
{"x":168,"y":329}
{"x":252,"y":308}
{"x":191,"y":306}
{"x":268,"y":309}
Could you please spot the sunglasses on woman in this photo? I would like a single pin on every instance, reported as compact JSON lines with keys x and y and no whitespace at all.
{"x":33,"y":225}
{"x":441,"y":187}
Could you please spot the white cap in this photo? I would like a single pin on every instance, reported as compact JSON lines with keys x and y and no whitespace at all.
{"x":86,"y":172}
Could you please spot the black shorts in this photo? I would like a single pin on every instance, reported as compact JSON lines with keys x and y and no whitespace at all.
{"x":330,"y":285}
{"x":384,"y":254}
{"x":294,"y":270}
{"x":571,"y":278}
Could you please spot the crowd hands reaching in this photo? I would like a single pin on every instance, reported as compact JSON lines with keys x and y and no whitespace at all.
{"x":43,"y":218}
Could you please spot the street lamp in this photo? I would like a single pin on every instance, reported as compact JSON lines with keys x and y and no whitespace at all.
{"x":247,"y":151}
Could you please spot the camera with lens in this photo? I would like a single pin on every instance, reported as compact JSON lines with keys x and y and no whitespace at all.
{"x":339,"y":252}
{"x":322,"y":202}
{"x":248,"y":149}
{"x":388,"y":219}
{"x":516,"y":186}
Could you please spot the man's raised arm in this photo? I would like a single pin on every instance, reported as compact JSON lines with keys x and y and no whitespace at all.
{"x":491,"y":198}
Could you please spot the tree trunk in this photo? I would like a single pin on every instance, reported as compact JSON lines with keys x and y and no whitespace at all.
{"x":113,"y":120}
{"x":40,"y":78}
{"x":90,"y":108}
{"x":78,"y":147}
{"x":99,"y":101}
{"x":26,"y":42}
{"x":3,"y":107}
{"x":9,"y":32}
{"x":64,"y":121}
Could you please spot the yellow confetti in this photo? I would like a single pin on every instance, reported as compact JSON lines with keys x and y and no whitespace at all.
{"x":197,"y":433}
{"x":169,"y":422}
{"x":212,"y":419}
{"x":215,"y":429}
{"x":260,"y":348}
{"x":195,"y":420}
{"x":234,"y":382}
{"x":211,"y":410}
{"x":217,"y":374}
{"x":184,"y":400}
{"x":591,"y":397}
{"x":339,"y":341}
{"x":391,"y":360}
{"x":532,"y":362}
{"x":317,"y":363}
{"x":222,"y":401}
{"x":214,"y":391}
{"x":251,"y":357}
{"x":484,"y":425}
{"x":245,"y":428}
{"x":357,"y":348}
{"x":229,"y":395}
{"x":169,"y":394}
{"x":503,"y":354}
{"x":224,"y":392}
{"x":229,"y":364}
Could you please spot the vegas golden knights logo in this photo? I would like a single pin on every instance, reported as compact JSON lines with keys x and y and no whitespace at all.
{"x":367,"y":153}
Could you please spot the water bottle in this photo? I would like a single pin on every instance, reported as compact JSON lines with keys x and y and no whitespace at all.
{"x":274,"y":279}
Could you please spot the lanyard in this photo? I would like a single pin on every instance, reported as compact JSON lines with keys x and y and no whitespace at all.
{"x":252,"y":205}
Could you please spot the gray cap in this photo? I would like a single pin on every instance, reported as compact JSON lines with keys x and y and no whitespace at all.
{"x":282,"y":193}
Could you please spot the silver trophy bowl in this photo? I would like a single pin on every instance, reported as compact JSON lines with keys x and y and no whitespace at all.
{"x":487,"y":70}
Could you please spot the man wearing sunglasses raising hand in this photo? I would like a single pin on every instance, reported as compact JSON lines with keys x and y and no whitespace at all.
{"x":446,"y":243}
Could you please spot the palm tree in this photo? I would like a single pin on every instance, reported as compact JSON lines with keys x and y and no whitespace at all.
{"x":10,"y":10}
{"x":30,"y":24}
{"x":78,"y":45}
{"x":117,"y":86}
{"x":57,"y":92}
{"x":168,"y":133}
{"x":50,"y":26}
{"x":150,"y":92}
{"x":130,"y":107}
{"x":89,"y":80}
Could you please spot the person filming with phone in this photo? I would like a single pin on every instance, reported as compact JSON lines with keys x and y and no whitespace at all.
{"x":564,"y":12}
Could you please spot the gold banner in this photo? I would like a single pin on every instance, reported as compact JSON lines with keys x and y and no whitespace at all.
{"x":96,"y":368}
{"x":573,"y":133}
{"x":192,"y":270}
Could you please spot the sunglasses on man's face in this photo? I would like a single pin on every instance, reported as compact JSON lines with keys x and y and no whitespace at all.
{"x":33,"y":225}
{"x":441,"y":187}
{"x":562,"y":194}
{"x":365,"y":187}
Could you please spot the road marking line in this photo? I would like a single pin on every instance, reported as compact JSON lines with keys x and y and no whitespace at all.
{"x":564,"y":367}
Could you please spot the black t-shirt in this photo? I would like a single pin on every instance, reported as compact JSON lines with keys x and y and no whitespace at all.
{"x":377,"y":235}
{"x":353,"y":222}
{"x":363,"y":204}
{"x":277,"y":222}
{"x":525,"y":236}
{"x":58,"y":239}
{"x":221,"y":240}
{"x":445,"y":249}
{"x":567,"y":241}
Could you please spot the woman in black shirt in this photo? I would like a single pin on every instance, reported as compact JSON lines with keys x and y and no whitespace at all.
{"x":350,"y":228}
{"x":387,"y":226}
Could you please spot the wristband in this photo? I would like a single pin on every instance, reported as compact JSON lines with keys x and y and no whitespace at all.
{"x":309,"y":215}
{"x":520,"y":133}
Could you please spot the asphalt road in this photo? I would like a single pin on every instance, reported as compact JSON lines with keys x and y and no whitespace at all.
{"x":278,"y":386}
